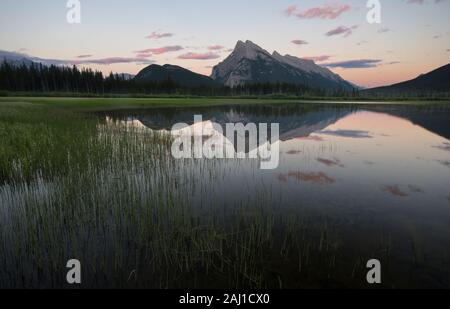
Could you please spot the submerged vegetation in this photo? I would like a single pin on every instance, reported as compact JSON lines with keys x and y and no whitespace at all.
{"x":74,"y":186}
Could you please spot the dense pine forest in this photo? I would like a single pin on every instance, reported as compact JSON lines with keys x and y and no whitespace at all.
{"x":39,"y":78}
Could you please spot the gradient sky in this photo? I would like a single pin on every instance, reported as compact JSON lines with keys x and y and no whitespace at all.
{"x":116,"y":35}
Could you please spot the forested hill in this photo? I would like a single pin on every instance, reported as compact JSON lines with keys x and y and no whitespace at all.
{"x":432,"y":83}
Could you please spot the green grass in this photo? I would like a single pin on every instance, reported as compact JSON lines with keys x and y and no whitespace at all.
{"x":93,"y":104}
{"x":275,"y":96}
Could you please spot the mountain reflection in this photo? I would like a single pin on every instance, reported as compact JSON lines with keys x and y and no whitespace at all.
{"x":296,"y":120}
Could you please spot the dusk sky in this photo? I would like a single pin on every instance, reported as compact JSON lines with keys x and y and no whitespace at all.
{"x":125,"y":36}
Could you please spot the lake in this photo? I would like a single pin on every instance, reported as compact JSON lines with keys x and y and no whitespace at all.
{"x":355,"y":182}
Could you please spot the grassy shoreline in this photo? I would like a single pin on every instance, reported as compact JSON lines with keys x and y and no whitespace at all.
{"x":93,"y":104}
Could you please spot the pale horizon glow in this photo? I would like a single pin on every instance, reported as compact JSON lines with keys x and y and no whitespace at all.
{"x":125,"y":36}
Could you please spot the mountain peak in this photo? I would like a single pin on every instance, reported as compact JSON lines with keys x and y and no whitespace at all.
{"x":249,"y":50}
{"x":249,"y":63}
{"x":247,"y":44}
{"x":155,"y":73}
{"x":276,"y":54}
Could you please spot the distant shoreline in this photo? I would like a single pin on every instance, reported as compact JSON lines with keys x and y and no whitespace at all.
{"x":118,"y":102}
{"x":6,"y":94}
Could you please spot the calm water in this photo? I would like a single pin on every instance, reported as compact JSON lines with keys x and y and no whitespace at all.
{"x":373,"y":173}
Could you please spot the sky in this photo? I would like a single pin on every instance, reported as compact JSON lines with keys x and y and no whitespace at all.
{"x":126,"y":35}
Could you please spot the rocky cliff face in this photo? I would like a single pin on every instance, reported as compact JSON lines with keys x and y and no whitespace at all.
{"x":249,"y":63}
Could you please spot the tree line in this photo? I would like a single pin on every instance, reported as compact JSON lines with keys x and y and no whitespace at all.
{"x":39,"y":78}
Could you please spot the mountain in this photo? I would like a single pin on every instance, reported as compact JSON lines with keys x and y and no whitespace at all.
{"x":15,"y":58}
{"x":181,"y":76}
{"x":249,"y":63}
{"x":434,"y":82}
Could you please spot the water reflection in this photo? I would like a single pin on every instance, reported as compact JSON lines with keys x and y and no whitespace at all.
{"x":347,"y":133}
{"x":361,"y":148}
{"x":444,"y":146}
{"x":374,"y":170}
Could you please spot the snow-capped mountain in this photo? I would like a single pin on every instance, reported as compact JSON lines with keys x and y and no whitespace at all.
{"x":249,"y":63}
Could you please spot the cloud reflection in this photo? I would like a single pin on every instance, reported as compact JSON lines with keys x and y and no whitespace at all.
{"x":293,"y":152}
{"x":330,"y":163}
{"x":347,"y":133}
{"x":394,"y":190}
{"x":319,"y":178}
{"x":314,"y":138}
{"x":415,"y":189}
{"x":444,"y":162}
{"x":445,"y":146}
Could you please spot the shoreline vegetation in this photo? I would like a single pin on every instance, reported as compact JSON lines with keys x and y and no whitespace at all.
{"x":270,"y":96}
{"x":126,"y":102}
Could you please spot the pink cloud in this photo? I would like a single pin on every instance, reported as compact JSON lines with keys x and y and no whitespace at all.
{"x":290,"y":10}
{"x":101,"y":61}
{"x":318,"y":58}
{"x":423,"y":1}
{"x":114,"y":60}
{"x":197,"y":56}
{"x":143,"y":55}
{"x":299,"y":42}
{"x":328,"y":11}
{"x":345,"y":31}
{"x":87,"y":59}
{"x":216,"y":47}
{"x":157,"y":35}
{"x":160,"y":50}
